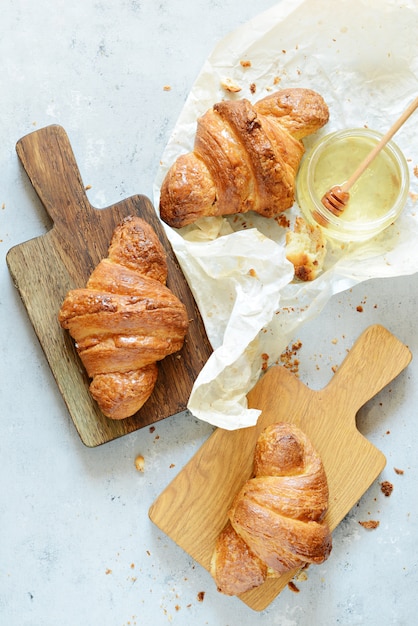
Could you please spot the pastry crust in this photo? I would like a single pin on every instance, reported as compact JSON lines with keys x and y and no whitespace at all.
{"x":277,"y":519}
{"x":245,"y":158}
{"x":125,"y":320}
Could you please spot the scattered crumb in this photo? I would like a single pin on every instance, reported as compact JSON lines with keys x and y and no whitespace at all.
{"x":177,"y":607}
{"x":87,"y":187}
{"x":167,"y":88}
{"x":132,"y":565}
{"x":229,"y":85}
{"x":334,"y":368}
{"x":334,"y":341}
{"x":172,"y":465}
{"x":276,"y":80}
{"x":108,"y":571}
{"x":359,"y":309}
{"x":252,"y":272}
{"x":386,"y":488}
{"x":398,"y":471}
{"x":245,"y":63}
{"x":253,"y":88}
{"x":3,"y":206}
{"x":305,"y":249}
{"x":288,"y":357}
{"x":282,"y":220}
{"x":416,"y":171}
{"x":302,"y":575}
{"x":200,"y":596}
{"x":140,"y":463}
{"x":370,"y":524}
{"x":264,"y":358}
{"x":293,"y":587}
{"x":152,"y":429}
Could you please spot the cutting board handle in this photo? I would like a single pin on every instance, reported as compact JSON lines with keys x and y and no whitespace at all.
{"x":375,"y":359}
{"x":49,"y":161}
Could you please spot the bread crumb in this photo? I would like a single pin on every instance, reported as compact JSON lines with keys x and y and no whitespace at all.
{"x":253,"y":88}
{"x":245,"y":63}
{"x":386,"y":488}
{"x":305,"y":249}
{"x":200,"y":596}
{"x":167,"y":88}
{"x":87,"y":187}
{"x":359,"y":308}
{"x":229,"y":85}
{"x":264,"y":364}
{"x":288,"y":357}
{"x":282,"y":220}
{"x":293,"y":587}
{"x":140,"y":463}
{"x":398,"y":471}
{"x":370,"y":524}
{"x":416,"y":171}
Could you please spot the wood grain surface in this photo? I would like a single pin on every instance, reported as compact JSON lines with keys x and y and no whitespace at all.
{"x":45,"y":268}
{"x":192,"y":510}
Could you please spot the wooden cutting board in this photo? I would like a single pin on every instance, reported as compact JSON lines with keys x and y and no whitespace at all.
{"x":193,"y":508}
{"x":45,"y":268}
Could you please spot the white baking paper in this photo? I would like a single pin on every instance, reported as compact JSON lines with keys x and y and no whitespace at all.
{"x":362,"y":57}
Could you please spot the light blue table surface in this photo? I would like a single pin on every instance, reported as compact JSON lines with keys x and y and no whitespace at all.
{"x":77,"y":547}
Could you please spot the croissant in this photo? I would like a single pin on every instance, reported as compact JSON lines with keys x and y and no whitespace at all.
{"x":245,"y":158}
{"x":276,"y":521}
{"x":125,"y":319}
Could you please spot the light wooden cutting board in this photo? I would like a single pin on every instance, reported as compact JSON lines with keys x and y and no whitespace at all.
{"x":193,"y":508}
{"x":45,"y":268}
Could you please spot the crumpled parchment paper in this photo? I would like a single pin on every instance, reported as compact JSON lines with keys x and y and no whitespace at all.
{"x":363,"y":59}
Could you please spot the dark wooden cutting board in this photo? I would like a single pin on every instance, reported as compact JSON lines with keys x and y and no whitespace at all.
{"x":45,"y":268}
{"x":193,"y":508}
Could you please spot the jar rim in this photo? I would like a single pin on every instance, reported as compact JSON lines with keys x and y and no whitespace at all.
{"x":332,"y":221}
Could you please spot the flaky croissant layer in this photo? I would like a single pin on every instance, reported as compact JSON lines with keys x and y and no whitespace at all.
{"x":125,"y":320}
{"x":277,"y":520}
{"x":245,"y":158}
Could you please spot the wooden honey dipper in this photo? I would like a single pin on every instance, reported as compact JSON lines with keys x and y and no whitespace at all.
{"x":336,"y":199}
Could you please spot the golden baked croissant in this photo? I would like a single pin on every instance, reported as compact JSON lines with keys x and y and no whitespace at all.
{"x":245,"y":158}
{"x":276,"y":521}
{"x":125,"y":320}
